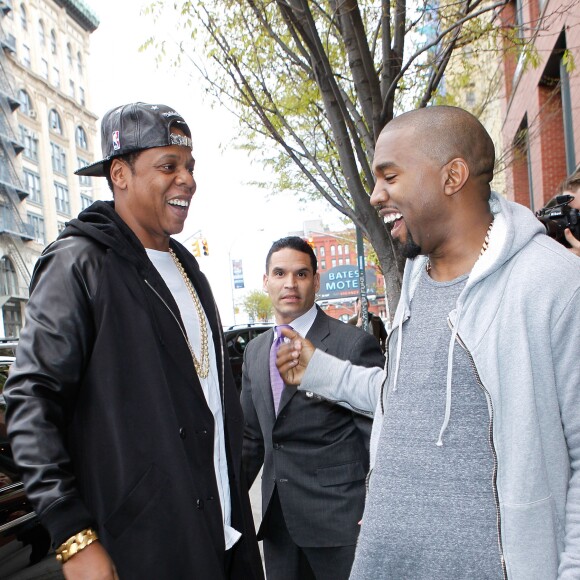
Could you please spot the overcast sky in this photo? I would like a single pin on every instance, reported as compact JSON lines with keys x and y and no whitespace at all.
{"x":238,"y":220}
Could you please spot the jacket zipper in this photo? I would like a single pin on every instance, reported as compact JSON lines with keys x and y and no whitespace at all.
{"x":493,"y":452}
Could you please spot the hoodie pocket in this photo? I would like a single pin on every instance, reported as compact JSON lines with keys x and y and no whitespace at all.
{"x":533,"y":538}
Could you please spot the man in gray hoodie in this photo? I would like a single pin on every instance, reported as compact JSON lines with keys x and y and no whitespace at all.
{"x":475,"y":447}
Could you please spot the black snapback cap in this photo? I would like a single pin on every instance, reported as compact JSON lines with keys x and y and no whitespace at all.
{"x":134,"y":127}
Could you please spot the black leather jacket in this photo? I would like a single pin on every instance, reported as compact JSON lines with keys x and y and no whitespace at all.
{"x":106,"y":415}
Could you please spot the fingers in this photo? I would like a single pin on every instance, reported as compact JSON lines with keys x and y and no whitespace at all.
{"x":574,"y":243}
{"x":288,"y":332}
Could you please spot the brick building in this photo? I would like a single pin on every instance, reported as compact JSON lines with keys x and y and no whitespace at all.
{"x":339,"y":281}
{"x":541,"y":104}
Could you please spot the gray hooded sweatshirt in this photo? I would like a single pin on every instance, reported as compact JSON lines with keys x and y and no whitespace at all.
{"x":518,"y":319}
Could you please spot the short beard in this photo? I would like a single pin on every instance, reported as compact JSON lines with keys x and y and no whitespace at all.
{"x":410,"y":249}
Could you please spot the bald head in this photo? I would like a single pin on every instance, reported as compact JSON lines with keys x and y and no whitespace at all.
{"x":444,"y":133}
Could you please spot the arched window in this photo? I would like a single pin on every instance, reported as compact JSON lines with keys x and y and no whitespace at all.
{"x":81,"y":138}
{"x":80,"y":62}
{"x":53,"y":41}
{"x":69,"y":56}
{"x":54,"y":121}
{"x":25,"y":102}
{"x":41,"y":33}
{"x":23,"y":21}
{"x":8,"y":279}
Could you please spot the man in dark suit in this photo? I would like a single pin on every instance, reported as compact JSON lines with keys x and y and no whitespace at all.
{"x":315,"y":455}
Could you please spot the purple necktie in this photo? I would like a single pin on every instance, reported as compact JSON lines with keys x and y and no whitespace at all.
{"x":275,"y":379}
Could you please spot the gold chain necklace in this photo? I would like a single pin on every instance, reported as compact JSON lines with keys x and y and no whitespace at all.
{"x":482,"y":251}
{"x":202,"y":367}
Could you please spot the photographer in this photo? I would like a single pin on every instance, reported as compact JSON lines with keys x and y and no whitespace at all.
{"x":570,"y":186}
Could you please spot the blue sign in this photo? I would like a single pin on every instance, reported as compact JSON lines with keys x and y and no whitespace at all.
{"x":343,"y":282}
{"x":238,"y":274}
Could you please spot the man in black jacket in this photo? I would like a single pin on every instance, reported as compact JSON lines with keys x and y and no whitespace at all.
{"x":121,"y":405}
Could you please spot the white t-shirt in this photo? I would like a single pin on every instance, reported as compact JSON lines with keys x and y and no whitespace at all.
{"x":166,"y":267}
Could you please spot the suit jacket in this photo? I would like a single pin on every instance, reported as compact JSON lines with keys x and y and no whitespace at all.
{"x":314,"y":452}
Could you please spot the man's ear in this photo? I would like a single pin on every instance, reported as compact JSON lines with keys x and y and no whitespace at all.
{"x":265,"y":282}
{"x":119,"y":172}
{"x":456,"y":173}
{"x":317,"y":281}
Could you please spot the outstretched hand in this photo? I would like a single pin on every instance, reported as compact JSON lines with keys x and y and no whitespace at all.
{"x":293,"y":357}
{"x":574,"y":243}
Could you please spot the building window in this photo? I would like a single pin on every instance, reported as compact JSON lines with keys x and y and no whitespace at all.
{"x":12,"y":319}
{"x":44,"y":68}
{"x":332,"y":250}
{"x":32,"y":181}
{"x":53,"y":41}
{"x":55,"y":77}
{"x":85,"y":180}
{"x":323,"y":264}
{"x":71,"y":88}
{"x":26,"y":56}
{"x":37,"y":222}
{"x":80,"y":62}
{"x":60,"y":226}
{"x":339,"y":250}
{"x":41,"y":33}
{"x":25,"y":102}
{"x":54,"y":121}
{"x":30,"y":142}
{"x":62,"y":198}
{"x":333,"y":262}
{"x":322,"y":251}
{"x":85,"y":201}
{"x":82,"y":96}
{"x":339,"y":260}
{"x":69,"y":56}
{"x":58,"y":158}
{"x":347,"y":260}
{"x":23,"y":20}
{"x":8,"y":279}
{"x":81,"y":138}
{"x":346,"y":250}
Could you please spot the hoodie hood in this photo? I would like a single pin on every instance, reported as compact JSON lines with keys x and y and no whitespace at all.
{"x":102,"y":223}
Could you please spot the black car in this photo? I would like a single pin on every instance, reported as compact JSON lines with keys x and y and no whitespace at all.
{"x":25,"y":552}
{"x":237,"y":338}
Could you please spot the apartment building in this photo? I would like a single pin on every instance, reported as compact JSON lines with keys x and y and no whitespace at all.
{"x":541,"y":122}
{"x":47,"y":132}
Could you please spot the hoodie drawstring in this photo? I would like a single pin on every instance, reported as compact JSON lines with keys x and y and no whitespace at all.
{"x":449,"y":379}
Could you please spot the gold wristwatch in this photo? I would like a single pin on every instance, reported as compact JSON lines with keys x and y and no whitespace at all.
{"x":75,"y":544}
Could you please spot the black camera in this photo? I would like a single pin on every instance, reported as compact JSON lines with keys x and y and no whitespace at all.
{"x":560,"y":216}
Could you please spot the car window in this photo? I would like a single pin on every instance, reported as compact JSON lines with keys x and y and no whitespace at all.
{"x":237,"y":343}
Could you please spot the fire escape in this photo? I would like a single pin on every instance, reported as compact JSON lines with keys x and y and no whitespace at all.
{"x":14,"y":231}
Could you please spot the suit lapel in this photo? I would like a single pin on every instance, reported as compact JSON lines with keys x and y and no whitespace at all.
{"x":317,"y":335}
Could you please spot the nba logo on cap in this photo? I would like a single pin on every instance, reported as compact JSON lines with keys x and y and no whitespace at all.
{"x":116,"y":143}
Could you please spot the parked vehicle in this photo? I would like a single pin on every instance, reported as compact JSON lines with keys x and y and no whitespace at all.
{"x":237,"y":338}
{"x":25,"y":552}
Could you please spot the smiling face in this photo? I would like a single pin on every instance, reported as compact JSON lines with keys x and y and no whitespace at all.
{"x":291,"y":284}
{"x":153,"y":197}
{"x":408,"y":192}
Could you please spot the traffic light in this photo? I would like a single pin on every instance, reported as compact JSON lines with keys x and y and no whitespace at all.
{"x":195,"y":248}
{"x":204,"y":247}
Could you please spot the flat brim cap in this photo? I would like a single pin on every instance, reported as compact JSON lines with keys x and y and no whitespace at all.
{"x":135,"y":127}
